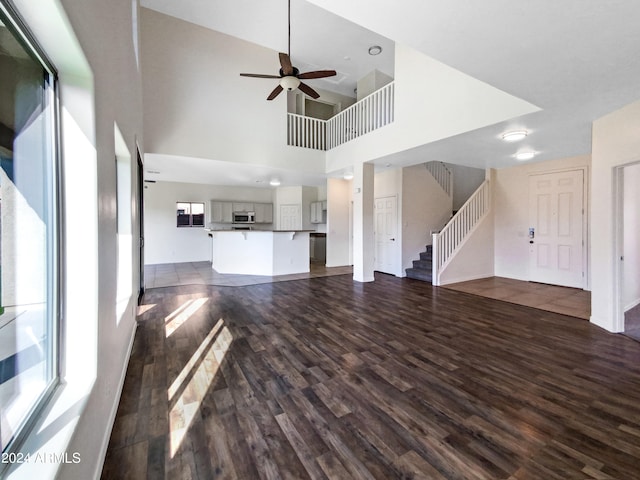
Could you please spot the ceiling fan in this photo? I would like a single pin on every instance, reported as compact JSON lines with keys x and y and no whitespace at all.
{"x":290,"y":77}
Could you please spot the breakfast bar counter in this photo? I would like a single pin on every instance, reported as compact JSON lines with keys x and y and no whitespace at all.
{"x":260,"y":252}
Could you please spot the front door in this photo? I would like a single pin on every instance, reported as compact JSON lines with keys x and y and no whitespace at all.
{"x":385,"y":234}
{"x":556,"y":212}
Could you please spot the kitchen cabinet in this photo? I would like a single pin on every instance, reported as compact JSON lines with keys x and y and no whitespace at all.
{"x":243,"y":207}
{"x":318,"y":212}
{"x":220,"y":212}
{"x":264,"y":212}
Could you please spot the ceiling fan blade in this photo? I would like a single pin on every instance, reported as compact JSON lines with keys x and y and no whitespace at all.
{"x":317,"y":74}
{"x":308,"y":90}
{"x":275,"y":93}
{"x":285,"y":63}
{"x":258,"y":75}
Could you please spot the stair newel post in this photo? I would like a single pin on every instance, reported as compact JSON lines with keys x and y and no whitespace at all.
{"x":435,"y":260}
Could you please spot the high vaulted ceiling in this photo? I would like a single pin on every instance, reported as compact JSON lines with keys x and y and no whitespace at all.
{"x":575,"y":59}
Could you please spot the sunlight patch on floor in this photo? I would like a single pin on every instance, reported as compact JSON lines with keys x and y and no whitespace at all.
{"x":182,"y":314}
{"x":202,"y":368}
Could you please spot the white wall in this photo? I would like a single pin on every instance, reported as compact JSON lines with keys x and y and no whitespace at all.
{"x":432,"y":101}
{"x":475,"y":258}
{"x":425,"y":207}
{"x":615,"y":143}
{"x":339,"y":242}
{"x":631,"y":249}
{"x":466,"y":181}
{"x":511,"y":210}
{"x":100,"y":86}
{"x":189,"y":75}
{"x":164,"y":242}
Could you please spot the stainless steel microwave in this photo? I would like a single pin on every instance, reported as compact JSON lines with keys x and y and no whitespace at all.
{"x":244,"y":217}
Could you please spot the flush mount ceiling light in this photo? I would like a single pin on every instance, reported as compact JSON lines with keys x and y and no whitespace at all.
{"x":348,"y":176}
{"x":375,"y":50}
{"x":525,"y":155}
{"x":274,"y":182}
{"x":514,"y":136}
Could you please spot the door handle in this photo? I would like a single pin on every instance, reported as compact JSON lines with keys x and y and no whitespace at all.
{"x":393,"y":239}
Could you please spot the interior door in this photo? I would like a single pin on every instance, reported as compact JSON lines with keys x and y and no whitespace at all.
{"x":386,"y":216}
{"x":556,"y":243}
{"x":290,"y":217}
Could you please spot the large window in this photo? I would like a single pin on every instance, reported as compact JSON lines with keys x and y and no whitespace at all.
{"x":28,"y":230}
{"x":190,"y":214}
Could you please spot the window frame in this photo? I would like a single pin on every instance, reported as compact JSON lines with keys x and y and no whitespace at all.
{"x":55,"y":237}
{"x":190,"y":225}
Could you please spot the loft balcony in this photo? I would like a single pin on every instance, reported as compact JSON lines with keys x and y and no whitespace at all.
{"x":368,"y":114}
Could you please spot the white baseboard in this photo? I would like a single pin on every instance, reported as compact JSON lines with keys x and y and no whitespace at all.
{"x":116,"y":404}
{"x":631,"y":305}
{"x":465,"y":279}
{"x":604,"y":324}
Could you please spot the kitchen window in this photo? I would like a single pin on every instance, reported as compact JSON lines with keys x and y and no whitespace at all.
{"x":29,"y":230}
{"x":190,"y":214}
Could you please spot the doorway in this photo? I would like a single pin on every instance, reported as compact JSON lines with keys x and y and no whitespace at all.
{"x":628,"y":247}
{"x":556,"y":228}
{"x":386,"y":228}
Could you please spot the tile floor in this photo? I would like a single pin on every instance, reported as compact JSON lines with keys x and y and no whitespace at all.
{"x":201,"y":273}
{"x":567,"y":301}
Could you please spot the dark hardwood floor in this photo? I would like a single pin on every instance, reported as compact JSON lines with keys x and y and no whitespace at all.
{"x":328,"y":378}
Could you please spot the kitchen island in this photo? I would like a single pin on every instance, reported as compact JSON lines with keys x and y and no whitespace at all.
{"x":260,"y":252}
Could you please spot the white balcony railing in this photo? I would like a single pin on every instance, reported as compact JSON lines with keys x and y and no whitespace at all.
{"x":306,"y":132}
{"x":454,"y":233}
{"x":366,"y":115}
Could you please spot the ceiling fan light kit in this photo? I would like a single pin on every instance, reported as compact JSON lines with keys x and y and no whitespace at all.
{"x":290,"y":77}
{"x":290,"y":82}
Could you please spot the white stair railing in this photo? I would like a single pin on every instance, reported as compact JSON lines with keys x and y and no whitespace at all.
{"x":306,"y":132}
{"x":455,"y":232}
{"x":370,"y":113}
{"x":443,"y":176}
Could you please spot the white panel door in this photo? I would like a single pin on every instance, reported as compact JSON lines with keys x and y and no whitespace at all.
{"x":386,"y":224}
{"x":290,"y":217}
{"x":556,"y":228}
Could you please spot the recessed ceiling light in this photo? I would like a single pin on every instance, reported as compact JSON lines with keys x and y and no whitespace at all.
{"x":348,"y":176}
{"x":375,"y":50}
{"x":525,"y":155}
{"x":514,"y":136}
{"x":274,"y":182}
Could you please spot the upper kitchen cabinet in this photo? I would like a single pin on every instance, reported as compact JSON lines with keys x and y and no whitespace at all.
{"x":243,"y":207}
{"x":220,"y":212}
{"x":264,"y":212}
{"x":318,"y":212}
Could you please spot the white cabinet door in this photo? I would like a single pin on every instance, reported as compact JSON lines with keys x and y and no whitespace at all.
{"x":215,"y":212}
{"x":220,"y":212}
{"x":317,"y":213}
{"x":243,"y":207}
{"x":227,"y":212}
{"x":264,"y":212}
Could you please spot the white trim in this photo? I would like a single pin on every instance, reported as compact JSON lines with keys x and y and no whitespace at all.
{"x":114,"y":409}
{"x":464,"y":279}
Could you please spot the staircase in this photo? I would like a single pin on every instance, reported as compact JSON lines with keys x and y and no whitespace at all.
{"x":422,"y":269}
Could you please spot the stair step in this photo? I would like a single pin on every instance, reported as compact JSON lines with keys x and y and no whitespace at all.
{"x":423,"y":264}
{"x":426,"y":256}
{"x":418,"y":274}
